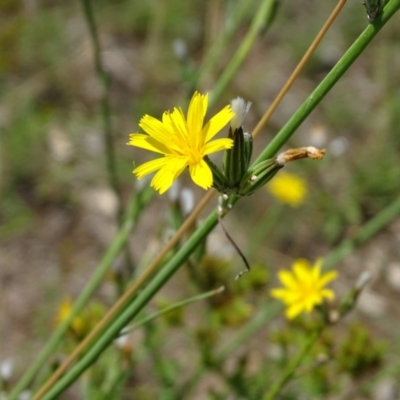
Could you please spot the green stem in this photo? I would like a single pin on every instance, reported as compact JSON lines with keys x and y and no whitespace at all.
{"x":134,"y":307}
{"x":232,"y":22}
{"x":168,"y":309}
{"x":267,"y":310}
{"x":105,"y":80}
{"x":136,"y":204}
{"x":373,"y":226}
{"x":270,"y":310}
{"x":291,"y":368}
{"x":264,"y":226}
{"x":261,"y":18}
{"x":329,"y":81}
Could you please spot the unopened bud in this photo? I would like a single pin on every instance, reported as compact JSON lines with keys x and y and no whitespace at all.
{"x":240,"y":108}
{"x":237,"y":159}
{"x":258,"y":176}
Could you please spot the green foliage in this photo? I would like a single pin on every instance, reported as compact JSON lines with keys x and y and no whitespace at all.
{"x":360,"y":353}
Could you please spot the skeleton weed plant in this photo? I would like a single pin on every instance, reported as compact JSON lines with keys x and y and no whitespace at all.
{"x":185,"y":142}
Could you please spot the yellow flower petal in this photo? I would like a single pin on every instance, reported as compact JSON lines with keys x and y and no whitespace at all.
{"x":150,"y":167}
{"x":201,"y":174}
{"x":280,"y":294}
{"x":217,"y":122}
{"x":165,"y":177}
{"x":148,"y":143}
{"x":155,"y":128}
{"x":302,"y":271}
{"x":326,"y":278}
{"x":196,"y":113}
{"x":179,"y":127}
{"x":287,"y":279}
{"x":328,"y":294}
{"x":217,"y":145}
{"x":293,"y":311}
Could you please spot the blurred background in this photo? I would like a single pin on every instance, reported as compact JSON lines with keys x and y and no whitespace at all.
{"x":59,"y":213}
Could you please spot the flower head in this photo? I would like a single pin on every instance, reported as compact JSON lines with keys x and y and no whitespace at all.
{"x":184,"y":142}
{"x":64,"y":310}
{"x":288,"y":188}
{"x":304,"y":288}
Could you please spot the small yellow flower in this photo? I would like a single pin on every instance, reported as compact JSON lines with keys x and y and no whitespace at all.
{"x":184,"y":142}
{"x":288,"y":188}
{"x":304,"y":287}
{"x":64,"y":310}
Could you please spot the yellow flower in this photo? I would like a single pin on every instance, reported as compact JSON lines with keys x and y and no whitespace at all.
{"x":184,"y":143}
{"x":288,"y":188}
{"x":304,"y":287}
{"x":64,"y":310}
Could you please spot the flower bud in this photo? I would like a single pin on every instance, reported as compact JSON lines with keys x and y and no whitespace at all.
{"x":237,"y":159}
{"x":373,"y":8}
{"x":259,"y":176}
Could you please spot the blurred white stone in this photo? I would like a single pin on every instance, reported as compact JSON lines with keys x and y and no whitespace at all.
{"x":187,"y":200}
{"x":6,"y":369}
{"x":25,"y":395}
{"x":60,"y":146}
{"x":393,"y":275}
{"x":338,"y":146}
{"x":101,"y":206}
{"x":386,"y":390}
{"x":179,"y":48}
{"x":93,"y":143}
{"x":318,"y":136}
{"x":122,"y":341}
{"x":371,"y":303}
{"x":173,"y":191}
{"x":219,"y":246}
{"x":140,"y":184}
{"x":101,"y":200}
{"x":330,"y":52}
{"x":275,"y":352}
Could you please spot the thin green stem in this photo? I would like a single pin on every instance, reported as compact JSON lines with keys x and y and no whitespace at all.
{"x":170,"y":308}
{"x":373,"y":226}
{"x":134,"y":307}
{"x":232,"y":22}
{"x":264,"y":226}
{"x":136,"y":204}
{"x":105,"y":80}
{"x":292,"y":366}
{"x":261,"y":17}
{"x":329,"y":81}
{"x":269,"y":310}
